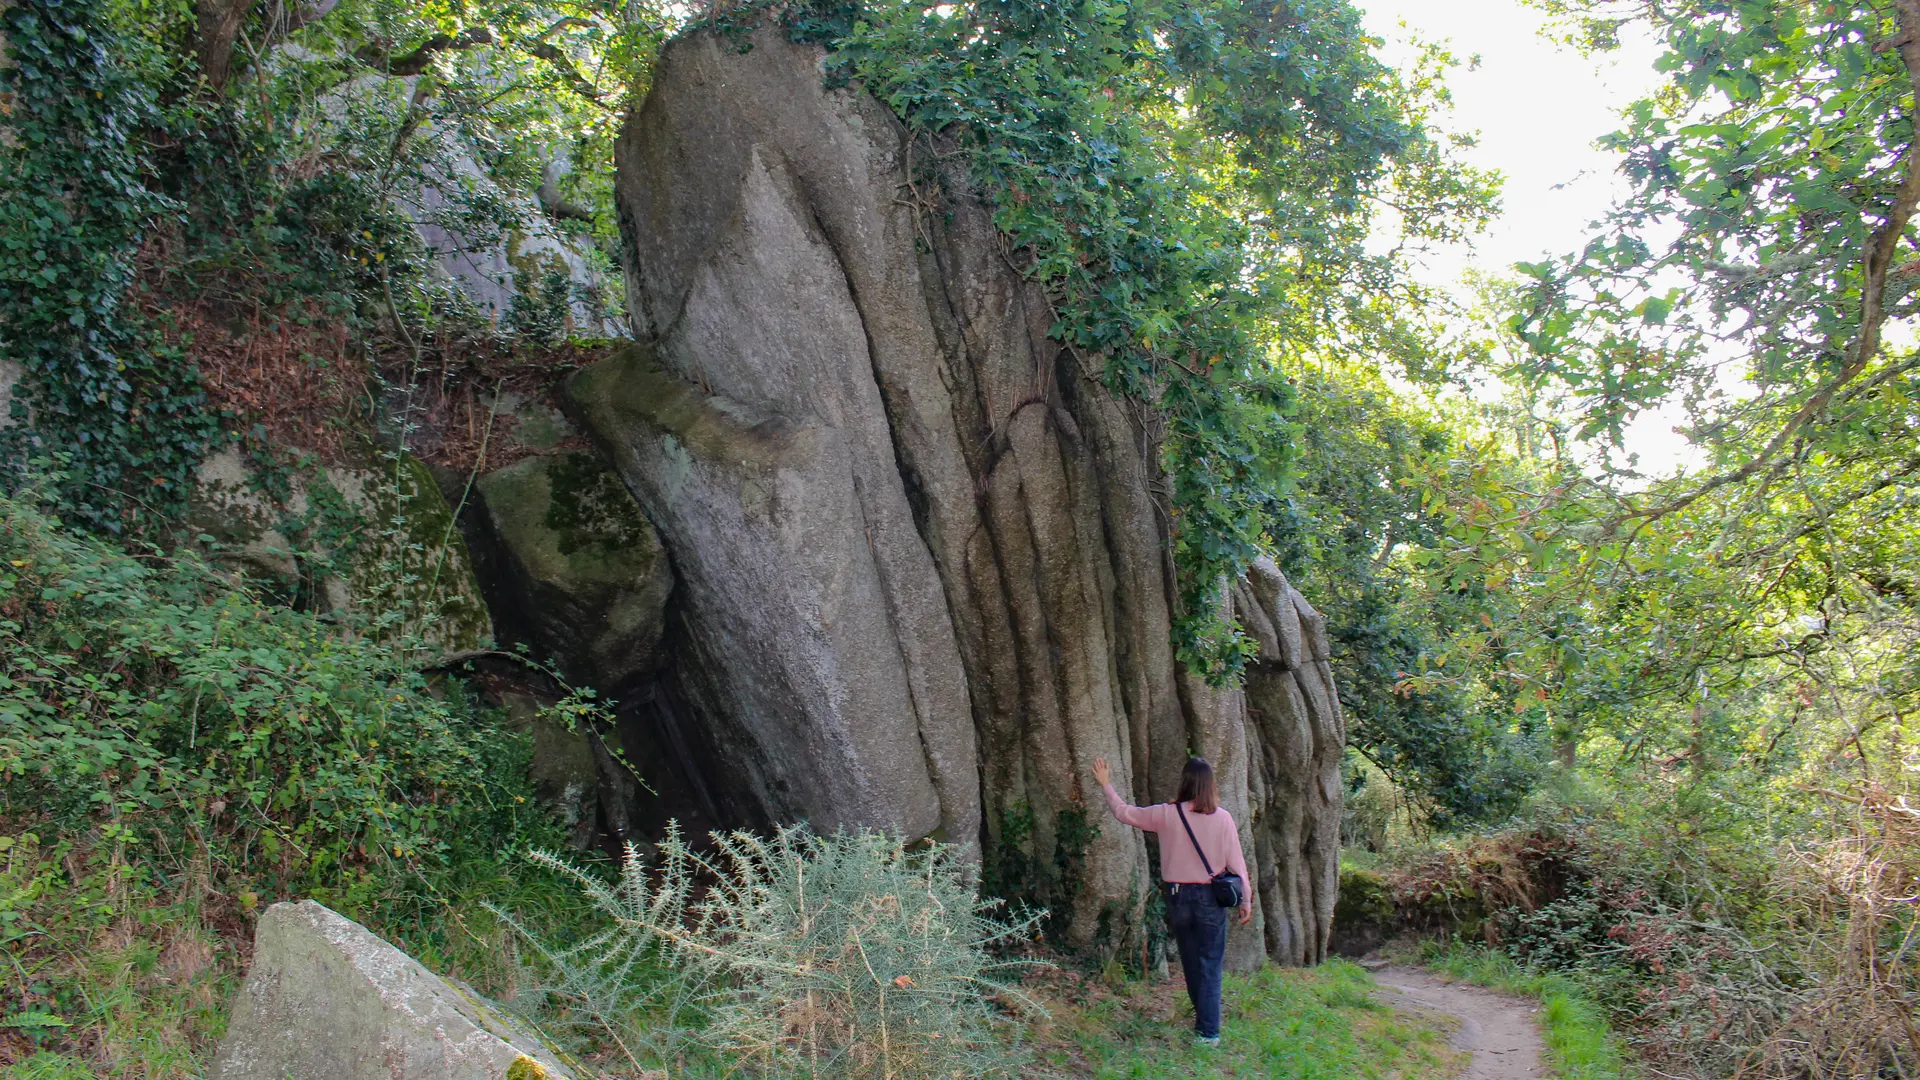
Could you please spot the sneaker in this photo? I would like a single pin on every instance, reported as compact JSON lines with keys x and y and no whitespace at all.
{"x":1206,"y":1042}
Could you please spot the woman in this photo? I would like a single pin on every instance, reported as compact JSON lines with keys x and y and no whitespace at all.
{"x":1198,"y":922}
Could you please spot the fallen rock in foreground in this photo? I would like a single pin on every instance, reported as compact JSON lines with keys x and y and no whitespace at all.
{"x":326,"y":999}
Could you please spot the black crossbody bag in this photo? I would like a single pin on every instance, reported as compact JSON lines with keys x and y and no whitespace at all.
{"x":1227,"y":886}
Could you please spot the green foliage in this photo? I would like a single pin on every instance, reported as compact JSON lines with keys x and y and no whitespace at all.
{"x":1363,"y":899}
{"x":1751,"y":285}
{"x":1019,"y":870}
{"x":1766,"y":173}
{"x":151,"y":695}
{"x":160,"y":210}
{"x":94,"y":1000}
{"x":807,"y":956}
{"x":1720,"y":931}
{"x":1196,"y":193}
{"x":74,"y":178}
{"x":1364,"y":515}
{"x":151,"y":701}
{"x":535,"y":93}
{"x":175,"y":753}
{"x":1194,"y":184}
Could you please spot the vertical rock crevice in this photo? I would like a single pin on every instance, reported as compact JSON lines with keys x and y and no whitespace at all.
{"x":924,"y":575}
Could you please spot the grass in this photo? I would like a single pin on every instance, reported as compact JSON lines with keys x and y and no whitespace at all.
{"x":151,"y":1002}
{"x":1280,"y":1023}
{"x":1577,"y":1036}
{"x":137,"y":986}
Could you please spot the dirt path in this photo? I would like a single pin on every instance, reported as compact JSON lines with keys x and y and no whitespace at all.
{"x":1502,"y":1032}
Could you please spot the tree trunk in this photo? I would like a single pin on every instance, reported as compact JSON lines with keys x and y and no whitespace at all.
{"x":218,"y":24}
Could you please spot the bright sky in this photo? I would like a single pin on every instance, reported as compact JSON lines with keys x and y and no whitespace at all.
{"x":1537,"y":108}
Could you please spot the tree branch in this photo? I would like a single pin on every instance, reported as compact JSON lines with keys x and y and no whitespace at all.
{"x":563,"y":64}
{"x":415,"y":62}
{"x":1881,"y":248}
{"x":217,"y":28}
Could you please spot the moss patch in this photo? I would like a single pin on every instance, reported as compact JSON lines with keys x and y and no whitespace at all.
{"x":412,"y":565}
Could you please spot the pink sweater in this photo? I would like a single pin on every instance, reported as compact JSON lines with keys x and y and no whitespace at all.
{"x":1217,"y":834}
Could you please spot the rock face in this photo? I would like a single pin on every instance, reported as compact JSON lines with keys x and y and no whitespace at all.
{"x":584,"y":569}
{"x":924,"y":573}
{"x":512,"y":255}
{"x":325,"y":998}
{"x":379,"y":539}
{"x":1295,"y":735}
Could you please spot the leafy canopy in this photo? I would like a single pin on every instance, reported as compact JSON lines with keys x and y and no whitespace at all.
{"x":1756,"y":284}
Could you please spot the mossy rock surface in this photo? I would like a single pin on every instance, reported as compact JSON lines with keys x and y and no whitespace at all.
{"x":326,"y":999}
{"x":376,"y":541}
{"x":1364,"y":916}
{"x":587,"y":571}
{"x":413,"y":562}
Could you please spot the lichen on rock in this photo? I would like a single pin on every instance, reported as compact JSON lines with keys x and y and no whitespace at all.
{"x":377,"y":542}
{"x":326,"y":998}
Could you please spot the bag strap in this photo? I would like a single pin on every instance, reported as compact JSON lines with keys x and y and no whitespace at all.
{"x":1196,"y":840}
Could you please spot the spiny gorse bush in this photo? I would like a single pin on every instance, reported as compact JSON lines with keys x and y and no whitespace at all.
{"x":807,"y":956}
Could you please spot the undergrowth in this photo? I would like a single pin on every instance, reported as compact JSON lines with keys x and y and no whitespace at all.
{"x":176,"y":753}
{"x":795,"y":955}
{"x":1716,"y":935}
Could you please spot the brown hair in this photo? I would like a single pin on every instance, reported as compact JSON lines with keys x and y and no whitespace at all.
{"x":1197,"y":786}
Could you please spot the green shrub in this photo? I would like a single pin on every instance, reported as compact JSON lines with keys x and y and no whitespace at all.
{"x":1364,"y":899}
{"x":175,"y":753}
{"x":144,"y":694}
{"x":809,"y":956}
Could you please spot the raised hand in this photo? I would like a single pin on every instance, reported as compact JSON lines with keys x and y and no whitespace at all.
{"x":1101,"y":773}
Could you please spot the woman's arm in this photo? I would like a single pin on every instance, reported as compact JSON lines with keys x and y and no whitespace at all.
{"x":1124,"y":813}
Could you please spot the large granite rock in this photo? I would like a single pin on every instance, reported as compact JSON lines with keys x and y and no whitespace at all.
{"x":584,"y":570}
{"x":1296,"y":736}
{"x":925,"y":580}
{"x":327,"y":1000}
{"x":511,"y":254}
{"x":800,"y":652}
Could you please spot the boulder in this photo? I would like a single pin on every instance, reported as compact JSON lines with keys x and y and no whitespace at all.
{"x":325,"y":998}
{"x":509,"y":253}
{"x":564,"y":768}
{"x":534,"y":274}
{"x":925,"y":578}
{"x":800,"y":649}
{"x":407,"y":557}
{"x":364,"y":539}
{"x":583,"y":570}
{"x":245,"y":523}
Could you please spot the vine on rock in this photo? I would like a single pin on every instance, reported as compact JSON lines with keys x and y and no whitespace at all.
{"x":128,"y":415}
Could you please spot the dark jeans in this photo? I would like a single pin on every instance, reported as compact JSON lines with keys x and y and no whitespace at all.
{"x":1199,"y":926}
